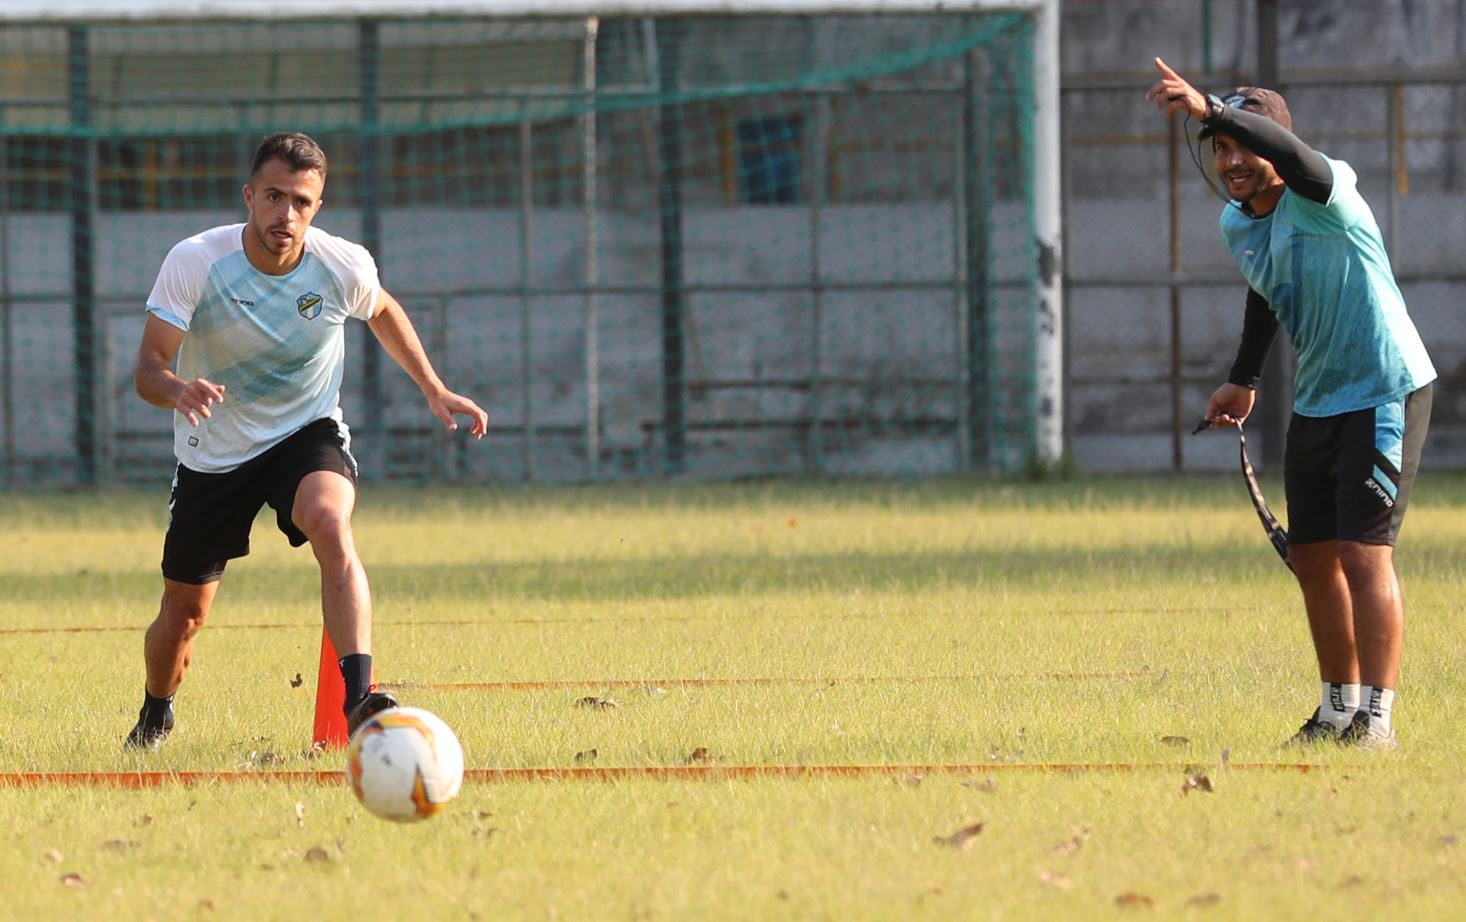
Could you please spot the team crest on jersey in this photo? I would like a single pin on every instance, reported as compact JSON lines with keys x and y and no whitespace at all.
{"x":309,"y":305}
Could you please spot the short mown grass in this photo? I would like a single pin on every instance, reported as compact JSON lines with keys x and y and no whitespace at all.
{"x":1008,"y":628}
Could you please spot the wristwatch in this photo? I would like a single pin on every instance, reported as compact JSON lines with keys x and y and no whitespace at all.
{"x":1214,"y":106}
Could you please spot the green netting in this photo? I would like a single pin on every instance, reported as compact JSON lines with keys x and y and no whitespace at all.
{"x":688,"y":246}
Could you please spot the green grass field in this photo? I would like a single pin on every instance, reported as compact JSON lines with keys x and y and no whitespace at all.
{"x":1142,"y":626}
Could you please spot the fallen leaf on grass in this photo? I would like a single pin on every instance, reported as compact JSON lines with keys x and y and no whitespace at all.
{"x":206,"y":903}
{"x":1196,"y":781}
{"x":73,"y":880}
{"x":1353,"y":880}
{"x":1202,"y":900}
{"x":1071,"y":845}
{"x":593,"y":701}
{"x":1176,"y":741}
{"x":913,"y":780}
{"x":1056,"y":880}
{"x":961,"y":839}
{"x":1133,"y":900}
{"x":53,"y":854}
{"x":145,"y":819}
{"x":297,"y":681}
{"x":316,"y":853}
{"x":263,"y":758}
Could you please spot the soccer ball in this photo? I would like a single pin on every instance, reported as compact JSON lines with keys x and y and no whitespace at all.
{"x":404,"y":764}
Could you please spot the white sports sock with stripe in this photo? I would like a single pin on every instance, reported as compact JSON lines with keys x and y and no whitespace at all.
{"x":1378,"y":703}
{"x":1338,"y":702}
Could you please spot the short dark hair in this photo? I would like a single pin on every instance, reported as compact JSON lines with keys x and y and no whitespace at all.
{"x":297,"y":150}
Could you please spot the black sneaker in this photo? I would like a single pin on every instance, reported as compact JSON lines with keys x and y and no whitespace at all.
{"x":1314,"y":731}
{"x":374,"y":702}
{"x":1363,"y":734}
{"x":142,"y":737}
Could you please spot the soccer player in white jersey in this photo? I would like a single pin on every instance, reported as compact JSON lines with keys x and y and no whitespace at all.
{"x":255,"y":313}
{"x":1315,"y":264}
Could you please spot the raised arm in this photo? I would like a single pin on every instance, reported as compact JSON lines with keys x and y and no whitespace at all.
{"x":1302,"y":169}
{"x":155,"y":382}
{"x":390,"y":324}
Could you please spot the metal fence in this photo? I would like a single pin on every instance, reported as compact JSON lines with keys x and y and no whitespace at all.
{"x":1155,"y":301}
{"x":690,"y":247}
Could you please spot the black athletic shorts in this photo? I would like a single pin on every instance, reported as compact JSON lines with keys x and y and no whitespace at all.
{"x":1349,"y":476}
{"x":210,"y":514}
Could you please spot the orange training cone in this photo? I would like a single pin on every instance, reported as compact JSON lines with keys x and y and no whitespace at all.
{"x":330,"y":729}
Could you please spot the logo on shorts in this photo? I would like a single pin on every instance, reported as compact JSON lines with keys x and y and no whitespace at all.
{"x":1373,"y":486}
{"x":309,"y":305}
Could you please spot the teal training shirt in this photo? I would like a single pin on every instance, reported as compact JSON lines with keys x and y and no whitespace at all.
{"x":1324,"y":271}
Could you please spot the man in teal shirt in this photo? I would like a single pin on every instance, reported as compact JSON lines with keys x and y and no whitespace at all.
{"x":1315,"y":264}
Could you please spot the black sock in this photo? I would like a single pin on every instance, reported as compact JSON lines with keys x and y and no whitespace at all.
{"x":154,"y":714}
{"x":356,"y":671}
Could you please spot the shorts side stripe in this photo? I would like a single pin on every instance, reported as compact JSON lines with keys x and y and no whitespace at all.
{"x":1384,"y":482}
{"x":1389,"y":432}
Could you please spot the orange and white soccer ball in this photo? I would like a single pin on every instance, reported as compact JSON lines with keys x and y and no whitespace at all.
{"x":404,"y":764}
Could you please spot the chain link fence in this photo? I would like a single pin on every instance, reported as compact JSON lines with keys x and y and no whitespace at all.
{"x":1155,"y":301}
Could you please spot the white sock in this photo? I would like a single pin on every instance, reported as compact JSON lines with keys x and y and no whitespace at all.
{"x":1378,"y":702}
{"x":1337,"y":703}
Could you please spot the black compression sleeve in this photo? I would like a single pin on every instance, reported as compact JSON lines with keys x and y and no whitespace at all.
{"x":1259,"y":326}
{"x":1302,"y":168}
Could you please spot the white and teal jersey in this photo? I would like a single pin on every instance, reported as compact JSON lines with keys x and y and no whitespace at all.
{"x":276,"y":342}
{"x":1324,"y":271}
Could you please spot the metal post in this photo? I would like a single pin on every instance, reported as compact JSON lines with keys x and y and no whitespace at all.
{"x":815,"y":451}
{"x":959,"y":279}
{"x":1206,"y":62}
{"x":7,"y":319}
{"x":976,"y":202}
{"x":85,"y":348}
{"x":526,"y":269}
{"x":592,"y":270}
{"x":669,"y":194}
{"x":1048,"y":362}
{"x":370,"y":195}
{"x":1178,"y":460}
{"x":1396,"y":187}
{"x":1276,"y":394}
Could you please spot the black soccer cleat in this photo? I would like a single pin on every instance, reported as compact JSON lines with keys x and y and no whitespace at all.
{"x":149,"y":738}
{"x":1363,"y":734}
{"x":1314,"y":731}
{"x":373,"y":703}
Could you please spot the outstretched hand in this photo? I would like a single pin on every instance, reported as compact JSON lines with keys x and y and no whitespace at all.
{"x":446,"y":404}
{"x":1172,"y":94}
